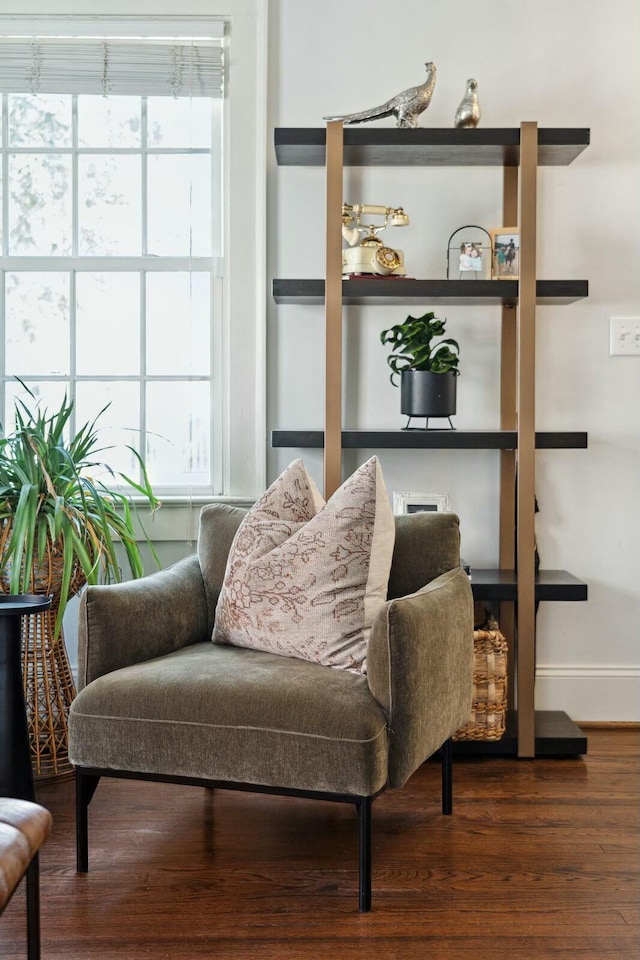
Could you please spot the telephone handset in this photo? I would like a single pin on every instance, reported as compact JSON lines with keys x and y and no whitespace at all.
{"x":368,"y":254}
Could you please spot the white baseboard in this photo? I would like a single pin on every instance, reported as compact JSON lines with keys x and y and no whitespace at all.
{"x":595,"y":692}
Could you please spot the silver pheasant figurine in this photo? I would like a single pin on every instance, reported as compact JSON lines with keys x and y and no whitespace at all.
{"x":468,"y":113}
{"x":406,"y":107}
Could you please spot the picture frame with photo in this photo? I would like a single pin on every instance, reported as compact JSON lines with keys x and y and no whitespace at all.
{"x":412,"y":502}
{"x":469,"y":254}
{"x":505,"y":259}
{"x":470,"y":258}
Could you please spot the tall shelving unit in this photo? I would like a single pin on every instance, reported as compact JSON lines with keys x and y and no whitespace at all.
{"x":514,"y":584}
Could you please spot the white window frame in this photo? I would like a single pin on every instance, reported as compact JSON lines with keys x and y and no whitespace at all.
{"x":74,"y":264}
{"x":239,"y":328}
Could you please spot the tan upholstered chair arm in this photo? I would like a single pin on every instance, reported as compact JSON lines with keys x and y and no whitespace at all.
{"x":126,"y":623}
{"x":420,"y":669}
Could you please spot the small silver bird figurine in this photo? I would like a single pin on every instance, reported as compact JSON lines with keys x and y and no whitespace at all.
{"x":406,"y":107}
{"x":468,"y":113}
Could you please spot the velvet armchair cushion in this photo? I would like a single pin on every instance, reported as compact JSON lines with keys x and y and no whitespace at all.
{"x":225,"y":713}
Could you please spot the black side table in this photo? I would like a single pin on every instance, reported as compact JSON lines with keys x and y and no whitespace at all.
{"x":16,"y":776}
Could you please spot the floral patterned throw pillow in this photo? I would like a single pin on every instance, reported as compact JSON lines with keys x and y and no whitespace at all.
{"x":306,"y":579}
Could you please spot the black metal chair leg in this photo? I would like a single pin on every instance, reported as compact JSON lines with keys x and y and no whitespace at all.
{"x":446,"y":753}
{"x":86,"y":784}
{"x":364,"y":821}
{"x":33,"y":909}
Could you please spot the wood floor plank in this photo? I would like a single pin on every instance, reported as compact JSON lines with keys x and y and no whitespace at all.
{"x":539,"y":860}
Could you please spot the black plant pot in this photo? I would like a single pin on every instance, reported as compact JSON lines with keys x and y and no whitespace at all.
{"x":427,"y":394}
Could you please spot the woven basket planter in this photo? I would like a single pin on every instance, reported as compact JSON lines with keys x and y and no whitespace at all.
{"x":489,"y":705}
{"x":46,"y":674}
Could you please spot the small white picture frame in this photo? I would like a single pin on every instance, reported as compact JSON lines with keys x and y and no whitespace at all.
{"x":421,"y":503}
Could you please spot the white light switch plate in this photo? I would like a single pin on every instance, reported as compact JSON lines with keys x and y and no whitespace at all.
{"x":624,"y":336}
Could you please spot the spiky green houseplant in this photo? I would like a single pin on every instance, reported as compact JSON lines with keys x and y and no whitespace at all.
{"x":414,"y":347}
{"x":53,"y":506}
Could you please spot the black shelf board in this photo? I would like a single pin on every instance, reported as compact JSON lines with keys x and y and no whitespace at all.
{"x":503,"y":585}
{"x":556,"y":735}
{"x":430,"y":439}
{"x":390,"y":146}
{"x":394,"y":290}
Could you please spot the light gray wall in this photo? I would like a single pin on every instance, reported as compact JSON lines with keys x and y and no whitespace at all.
{"x":562,"y":64}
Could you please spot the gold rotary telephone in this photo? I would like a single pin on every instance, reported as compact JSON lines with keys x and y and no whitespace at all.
{"x":368,"y":254}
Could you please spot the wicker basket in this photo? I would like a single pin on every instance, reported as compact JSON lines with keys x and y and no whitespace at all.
{"x":489,"y":705}
{"x":48,"y":682}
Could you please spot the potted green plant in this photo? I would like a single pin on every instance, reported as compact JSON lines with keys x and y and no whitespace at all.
{"x":427,"y":367}
{"x":55,"y":511}
{"x":59,"y":527}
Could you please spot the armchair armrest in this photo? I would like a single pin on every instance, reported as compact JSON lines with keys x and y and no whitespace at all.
{"x":125,"y":623}
{"x":420,"y":669}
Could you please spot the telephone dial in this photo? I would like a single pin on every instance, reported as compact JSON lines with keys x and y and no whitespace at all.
{"x":366,"y":252}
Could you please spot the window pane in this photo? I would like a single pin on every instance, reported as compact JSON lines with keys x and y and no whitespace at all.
{"x":109,"y":121}
{"x":109,"y":205}
{"x":39,"y":121}
{"x":80,"y":183}
{"x":37,"y":320}
{"x":40,"y":205}
{"x":179,"y":122}
{"x":108,"y":324}
{"x":118,"y":427}
{"x":47,"y":395}
{"x":178,"y":433}
{"x":178,"y":302}
{"x":180,"y":217}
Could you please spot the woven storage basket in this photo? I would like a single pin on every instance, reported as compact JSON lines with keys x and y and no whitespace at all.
{"x":489,"y":705}
{"x":48,"y":682}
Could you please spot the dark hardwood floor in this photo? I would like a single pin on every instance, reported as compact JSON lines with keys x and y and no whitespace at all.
{"x":539,"y":860}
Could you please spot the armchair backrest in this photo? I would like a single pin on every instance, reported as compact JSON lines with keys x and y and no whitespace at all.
{"x":427,"y":545}
{"x":218,"y":525}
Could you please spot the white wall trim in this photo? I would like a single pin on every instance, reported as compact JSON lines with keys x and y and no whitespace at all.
{"x":586,"y":672}
{"x":245,"y":291}
{"x":103,"y":24}
{"x":590,"y":692}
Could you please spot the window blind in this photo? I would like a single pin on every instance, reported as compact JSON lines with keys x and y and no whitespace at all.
{"x":117,"y":67}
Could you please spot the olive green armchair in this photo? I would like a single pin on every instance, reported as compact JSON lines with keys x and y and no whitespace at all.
{"x":159,"y":701}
